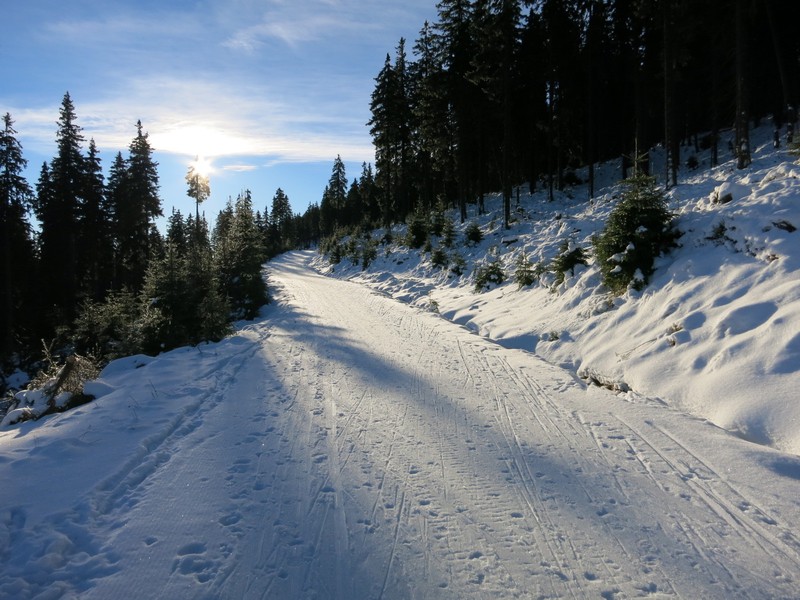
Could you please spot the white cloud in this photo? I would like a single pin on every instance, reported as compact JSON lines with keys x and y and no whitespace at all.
{"x":239,"y":168}
{"x":281,"y":80}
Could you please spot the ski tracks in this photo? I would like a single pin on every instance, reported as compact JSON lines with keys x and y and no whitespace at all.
{"x":349,"y":446}
{"x":448,"y":467}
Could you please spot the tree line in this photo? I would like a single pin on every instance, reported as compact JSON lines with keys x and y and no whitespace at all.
{"x":84,"y":267}
{"x":498,"y":93}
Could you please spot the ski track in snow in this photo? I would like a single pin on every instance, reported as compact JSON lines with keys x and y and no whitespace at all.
{"x":350,"y":446}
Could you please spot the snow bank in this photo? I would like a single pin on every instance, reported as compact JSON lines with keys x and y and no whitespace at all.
{"x":715,"y":333}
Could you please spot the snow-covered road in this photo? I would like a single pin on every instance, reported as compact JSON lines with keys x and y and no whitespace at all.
{"x":349,"y":446}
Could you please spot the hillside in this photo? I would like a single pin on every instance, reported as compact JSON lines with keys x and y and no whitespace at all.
{"x":714,"y":334}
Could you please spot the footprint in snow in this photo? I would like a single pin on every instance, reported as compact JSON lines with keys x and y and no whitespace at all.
{"x":192,"y":562}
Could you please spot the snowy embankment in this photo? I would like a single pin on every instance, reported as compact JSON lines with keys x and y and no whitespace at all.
{"x":716,"y":333}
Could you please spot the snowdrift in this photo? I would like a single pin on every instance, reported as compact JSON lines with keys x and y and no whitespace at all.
{"x":716,"y":333}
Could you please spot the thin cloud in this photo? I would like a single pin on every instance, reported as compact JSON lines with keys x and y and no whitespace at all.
{"x":297,"y":24}
{"x":240,"y":168}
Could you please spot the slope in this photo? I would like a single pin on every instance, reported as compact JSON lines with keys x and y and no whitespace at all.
{"x":714,"y":334}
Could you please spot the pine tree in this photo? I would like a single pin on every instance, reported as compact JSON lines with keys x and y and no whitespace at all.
{"x":370,"y":209}
{"x":198,"y":188}
{"x":57,"y":211}
{"x":140,"y":206}
{"x":637,"y":231}
{"x":95,"y":221}
{"x":16,"y":247}
{"x":239,"y":258}
{"x":281,"y":221}
{"x":432,"y":135}
{"x":385,"y":132}
{"x":333,"y":198}
{"x":455,"y":30}
{"x":180,"y":300}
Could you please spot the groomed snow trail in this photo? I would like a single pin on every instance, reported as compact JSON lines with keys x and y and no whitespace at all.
{"x":357,"y":448}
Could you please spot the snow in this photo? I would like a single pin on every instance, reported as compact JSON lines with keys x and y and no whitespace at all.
{"x":347,"y":445}
{"x":713,"y":334}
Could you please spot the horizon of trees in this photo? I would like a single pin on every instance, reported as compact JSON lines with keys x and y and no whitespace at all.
{"x":93,"y":274}
{"x":500,"y":93}
{"x":496,"y":94}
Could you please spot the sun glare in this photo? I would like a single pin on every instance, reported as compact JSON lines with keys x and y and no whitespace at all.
{"x":202,"y":166}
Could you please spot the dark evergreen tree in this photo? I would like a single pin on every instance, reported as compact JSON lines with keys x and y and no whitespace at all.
{"x":139,"y":206}
{"x":308,"y":226}
{"x":57,"y":209}
{"x":121,"y":218}
{"x":638,"y":230}
{"x":239,"y":257}
{"x":455,"y":44}
{"x":493,"y":70}
{"x":181,"y":303}
{"x":95,"y":221}
{"x":370,"y":208}
{"x":353,"y":205}
{"x":281,"y":220}
{"x":385,"y":132}
{"x":16,"y":246}
{"x":333,"y":199}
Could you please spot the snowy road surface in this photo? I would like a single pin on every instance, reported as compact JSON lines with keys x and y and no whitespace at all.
{"x":349,"y":446}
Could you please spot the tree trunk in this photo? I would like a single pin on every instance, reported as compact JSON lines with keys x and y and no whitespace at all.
{"x":742,"y":126}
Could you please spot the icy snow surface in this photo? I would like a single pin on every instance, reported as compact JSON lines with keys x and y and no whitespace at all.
{"x":348,"y":446}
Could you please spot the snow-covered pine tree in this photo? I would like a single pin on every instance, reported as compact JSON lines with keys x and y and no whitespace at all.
{"x":639,"y":229}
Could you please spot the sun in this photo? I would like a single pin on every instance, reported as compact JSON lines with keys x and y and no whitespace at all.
{"x":202,"y":166}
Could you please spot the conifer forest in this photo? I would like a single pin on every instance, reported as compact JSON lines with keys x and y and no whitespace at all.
{"x":492,"y":96}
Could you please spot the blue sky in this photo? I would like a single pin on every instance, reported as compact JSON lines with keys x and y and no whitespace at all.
{"x":268,"y":91}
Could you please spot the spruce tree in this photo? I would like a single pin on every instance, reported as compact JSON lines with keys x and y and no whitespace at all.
{"x":95,"y":222}
{"x":281,"y":221}
{"x":141,"y":205}
{"x":180,"y":300}
{"x":637,"y":231}
{"x":239,"y":257}
{"x":432,"y":135}
{"x":456,"y":45}
{"x":385,"y":132}
{"x":57,"y":209}
{"x":16,"y":247}
{"x":122,"y":218}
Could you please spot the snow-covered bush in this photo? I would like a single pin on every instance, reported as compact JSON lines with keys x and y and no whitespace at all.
{"x":448,"y":233}
{"x":525,"y":273}
{"x":569,"y":257}
{"x":637,"y":231}
{"x":490,"y":273}
{"x":439,"y":257}
{"x":473,"y":234}
{"x":369,"y":253}
{"x":417,"y":232}
{"x":457,"y":265}
{"x":54,"y":389}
